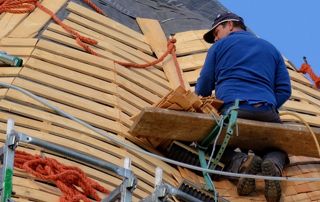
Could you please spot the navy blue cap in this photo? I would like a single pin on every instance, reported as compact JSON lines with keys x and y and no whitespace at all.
{"x":220,"y":18}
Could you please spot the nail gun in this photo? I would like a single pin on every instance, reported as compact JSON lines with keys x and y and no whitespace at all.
{"x":10,"y":60}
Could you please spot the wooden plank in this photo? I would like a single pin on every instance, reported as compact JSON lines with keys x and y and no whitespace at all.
{"x":190,"y":126}
{"x":297,"y":94}
{"x":140,"y":80}
{"x":191,"y":47}
{"x":75,"y":54}
{"x":3,"y":92}
{"x":110,"y":41}
{"x":103,"y":20}
{"x":22,"y":179}
{"x":192,"y":76}
{"x":72,"y":43}
{"x":9,"y":71}
{"x":90,"y":82}
{"x":308,"y":90}
{"x":310,"y":119}
{"x":192,"y":62}
{"x":9,"y":21}
{"x":137,"y":90}
{"x":70,"y":75}
{"x":157,"y":40}
{"x":23,"y":123}
{"x":17,"y":42}
{"x":75,"y":65}
{"x":36,"y":20}
{"x":95,"y":120}
{"x":149,"y":167}
{"x":289,"y":64}
{"x":18,"y":51}
{"x":69,"y":87}
{"x":108,"y":51}
{"x":33,"y":194}
{"x":127,"y":108}
{"x":129,"y":97}
{"x":73,"y":136}
{"x":301,"y":107}
{"x":41,"y":115}
{"x":161,"y":122}
{"x":100,"y":62}
{"x":190,"y":35}
{"x":110,"y":33}
{"x":183,"y":37}
{"x":299,"y":77}
{"x":67,"y":99}
{"x":7,"y":80}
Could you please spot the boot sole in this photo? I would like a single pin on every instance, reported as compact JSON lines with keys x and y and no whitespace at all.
{"x":248,"y":185}
{"x":272,"y":189}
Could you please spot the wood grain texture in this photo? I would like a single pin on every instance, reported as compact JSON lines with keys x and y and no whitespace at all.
{"x":187,"y":126}
{"x":158,"y":42}
{"x":36,"y":20}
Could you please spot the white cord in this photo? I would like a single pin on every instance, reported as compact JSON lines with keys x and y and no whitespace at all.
{"x":221,"y":122}
{"x":132,"y":148}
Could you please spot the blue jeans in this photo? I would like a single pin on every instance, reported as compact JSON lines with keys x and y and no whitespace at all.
{"x":259,"y":112}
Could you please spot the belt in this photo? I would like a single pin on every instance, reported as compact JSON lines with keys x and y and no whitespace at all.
{"x":255,"y":105}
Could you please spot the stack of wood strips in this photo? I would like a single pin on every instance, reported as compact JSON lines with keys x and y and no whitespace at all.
{"x":102,"y":93}
{"x":93,"y":89}
{"x":181,"y":99}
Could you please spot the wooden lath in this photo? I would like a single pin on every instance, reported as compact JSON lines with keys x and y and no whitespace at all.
{"x":158,"y":42}
{"x":101,"y":93}
{"x":90,"y":88}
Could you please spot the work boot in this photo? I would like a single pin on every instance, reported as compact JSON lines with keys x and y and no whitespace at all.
{"x":272,"y":189}
{"x":252,"y":165}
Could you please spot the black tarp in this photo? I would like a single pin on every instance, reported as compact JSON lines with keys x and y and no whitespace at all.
{"x":174,"y":15}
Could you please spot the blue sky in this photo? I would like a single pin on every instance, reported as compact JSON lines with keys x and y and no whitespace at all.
{"x":293,"y":26}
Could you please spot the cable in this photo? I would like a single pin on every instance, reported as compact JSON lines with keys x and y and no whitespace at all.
{"x":132,"y":148}
{"x":306,"y":124}
{"x":221,"y":122}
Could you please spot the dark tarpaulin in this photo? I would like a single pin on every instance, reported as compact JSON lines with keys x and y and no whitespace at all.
{"x":174,"y":15}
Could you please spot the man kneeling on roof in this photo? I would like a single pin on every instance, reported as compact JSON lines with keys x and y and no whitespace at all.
{"x":242,"y":66}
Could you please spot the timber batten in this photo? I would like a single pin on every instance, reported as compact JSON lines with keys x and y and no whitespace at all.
{"x":107,"y":95}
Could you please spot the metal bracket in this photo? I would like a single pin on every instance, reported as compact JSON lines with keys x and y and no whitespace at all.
{"x":123,"y":193}
{"x":163,"y":191}
{"x":8,"y":161}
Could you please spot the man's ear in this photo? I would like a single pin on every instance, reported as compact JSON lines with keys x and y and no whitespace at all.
{"x":231,"y":26}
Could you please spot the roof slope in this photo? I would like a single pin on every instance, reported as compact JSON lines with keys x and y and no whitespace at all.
{"x":107,"y":95}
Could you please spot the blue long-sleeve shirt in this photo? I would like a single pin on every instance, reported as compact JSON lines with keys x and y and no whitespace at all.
{"x":243,"y":66}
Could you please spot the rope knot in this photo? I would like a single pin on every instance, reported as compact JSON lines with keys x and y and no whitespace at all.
{"x":170,"y":45}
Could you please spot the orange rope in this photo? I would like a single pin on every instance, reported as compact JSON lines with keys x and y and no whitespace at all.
{"x":306,"y":68}
{"x":95,"y":7}
{"x":17,"y":6}
{"x":26,"y":6}
{"x":171,"y":49}
{"x":73,"y":182}
{"x":79,"y":39}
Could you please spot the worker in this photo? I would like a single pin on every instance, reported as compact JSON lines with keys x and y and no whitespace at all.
{"x":242,"y":66}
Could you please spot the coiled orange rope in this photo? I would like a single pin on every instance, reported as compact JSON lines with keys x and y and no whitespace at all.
{"x":73,"y":182}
